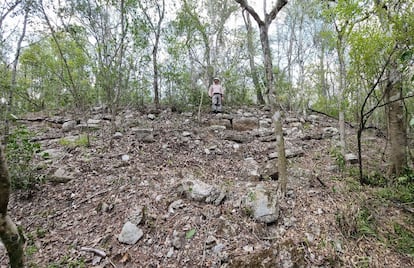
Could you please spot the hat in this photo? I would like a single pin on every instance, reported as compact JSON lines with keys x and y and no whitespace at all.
{"x":216,"y":78}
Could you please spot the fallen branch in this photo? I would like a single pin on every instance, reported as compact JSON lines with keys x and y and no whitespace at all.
{"x":321,"y":182}
{"x":96,"y":251}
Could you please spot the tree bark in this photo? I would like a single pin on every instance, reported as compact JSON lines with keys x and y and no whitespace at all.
{"x":397,"y":135}
{"x":250,"y":48}
{"x":9,"y":234}
{"x":9,"y":106}
{"x":270,"y":88}
{"x":156,"y":29}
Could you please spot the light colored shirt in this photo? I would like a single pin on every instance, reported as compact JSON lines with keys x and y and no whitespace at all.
{"x":215,"y":88}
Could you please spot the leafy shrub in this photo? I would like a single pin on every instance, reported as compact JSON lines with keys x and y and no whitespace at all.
{"x":402,"y":190}
{"x":20,"y":152}
{"x":339,"y":158}
{"x":403,"y":240}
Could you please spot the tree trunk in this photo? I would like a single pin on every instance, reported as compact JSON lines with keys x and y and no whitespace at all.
{"x":14,"y":76}
{"x":250,"y":48}
{"x":9,"y":234}
{"x":342,"y":84}
{"x":397,"y":136}
{"x":270,"y":88}
{"x":282,"y":163}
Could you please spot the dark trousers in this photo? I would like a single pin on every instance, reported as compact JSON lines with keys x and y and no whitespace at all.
{"x":216,"y":100}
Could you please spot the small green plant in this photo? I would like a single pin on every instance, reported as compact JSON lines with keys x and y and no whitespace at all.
{"x":81,"y":141}
{"x":339,"y":158}
{"x":402,"y":190}
{"x":403,"y":240}
{"x":251,"y":196}
{"x":66,"y":262}
{"x":190,"y":234}
{"x":20,"y":153}
{"x":365,"y":223}
{"x":40,"y":232}
{"x":356,"y":222}
{"x":376,"y":179}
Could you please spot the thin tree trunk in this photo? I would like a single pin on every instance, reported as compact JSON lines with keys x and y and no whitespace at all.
{"x":270,"y":89}
{"x":9,"y":106}
{"x":250,"y":48}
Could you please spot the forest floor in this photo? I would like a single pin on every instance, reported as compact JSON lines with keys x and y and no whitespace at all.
{"x":326,"y":220}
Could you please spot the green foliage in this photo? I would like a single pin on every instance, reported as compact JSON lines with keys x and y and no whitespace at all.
{"x":339,"y":158}
{"x":402,"y":191}
{"x":69,"y":263}
{"x":365,"y":223}
{"x":356,"y":222}
{"x":375,"y":179}
{"x":20,"y":152}
{"x":81,"y":141}
{"x":190,"y":234}
{"x":402,"y":239}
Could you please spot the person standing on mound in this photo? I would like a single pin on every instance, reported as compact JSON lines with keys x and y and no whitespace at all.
{"x":216,"y":93}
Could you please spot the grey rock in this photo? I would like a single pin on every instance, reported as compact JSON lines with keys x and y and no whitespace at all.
{"x":217,"y":128}
{"x":186,"y":134}
{"x":94,"y":121}
{"x":269,"y":170}
{"x":290,"y":120}
{"x":251,"y":168}
{"x":151,"y":116}
{"x":175,"y":205}
{"x":226,"y":123}
{"x":289,"y":153}
{"x":68,"y":126}
{"x":218,"y":248}
{"x":265,"y":123}
{"x":237,"y":137}
{"x":137,"y":215}
{"x":117,"y":135}
{"x":144,"y":134}
{"x":245,"y":123}
{"x":61,"y":175}
{"x":198,"y":190}
{"x":329,"y":132}
{"x":262,"y":204}
{"x":187,"y":114}
{"x":351,"y":158}
{"x":170,"y":252}
{"x":178,"y":239}
{"x":130,"y":234}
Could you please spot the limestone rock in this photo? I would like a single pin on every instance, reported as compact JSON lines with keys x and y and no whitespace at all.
{"x":251,"y":168}
{"x":198,"y":190}
{"x":351,"y":158}
{"x":130,"y":234}
{"x":69,"y":126}
{"x":61,"y":175}
{"x":262,"y":204}
{"x":144,"y":134}
{"x":245,"y":123}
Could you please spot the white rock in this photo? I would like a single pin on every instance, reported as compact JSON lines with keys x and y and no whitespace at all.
{"x":130,"y":234}
{"x":170,"y":252}
{"x":118,"y":135}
